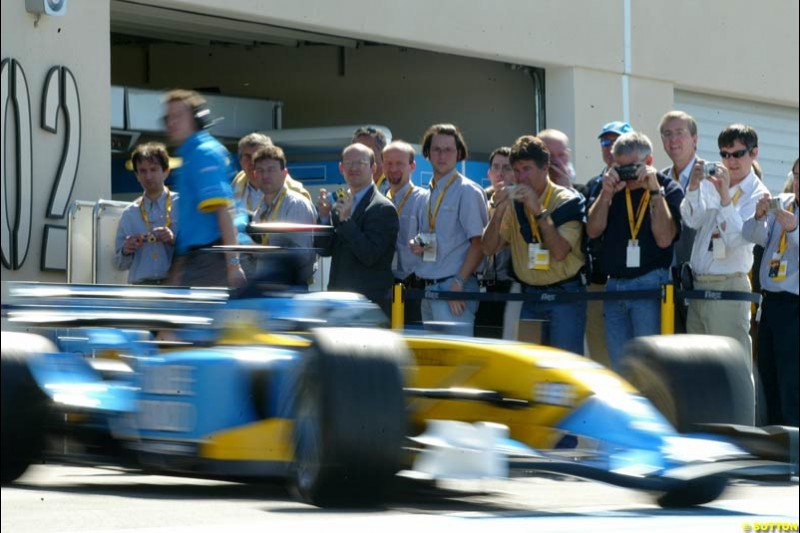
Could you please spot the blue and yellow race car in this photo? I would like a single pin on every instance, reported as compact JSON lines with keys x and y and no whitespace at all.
{"x":307,"y":387}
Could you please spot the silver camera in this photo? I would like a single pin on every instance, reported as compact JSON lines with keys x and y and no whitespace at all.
{"x":709,"y":168}
{"x":774,"y":205}
{"x":513,"y":191}
{"x":421,"y":241}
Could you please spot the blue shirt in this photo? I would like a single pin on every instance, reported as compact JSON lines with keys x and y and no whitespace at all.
{"x":153,"y":259}
{"x":204,"y":184}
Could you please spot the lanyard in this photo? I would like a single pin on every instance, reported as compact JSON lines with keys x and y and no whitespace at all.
{"x":380,"y":181}
{"x":403,"y":200}
{"x":782,"y":243}
{"x":273,"y":212}
{"x":432,"y":216}
{"x":251,"y":194}
{"x":640,"y":212}
{"x":146,"y":219}
{"x":736,"y":196}
{"x":547,"y":194}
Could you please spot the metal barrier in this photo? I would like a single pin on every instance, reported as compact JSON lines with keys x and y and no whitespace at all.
{"x":667,"y":294}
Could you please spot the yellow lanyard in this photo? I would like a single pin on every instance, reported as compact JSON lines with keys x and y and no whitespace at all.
{"x":403,"y":201}
{"x":640,"y":212}
{"x":250,"y":192}
{"x":432,"y":216}
{"x":547,"y":194}
{"x":736,"y":196}
{"x":675,"y":175}
{"x":146,"y":219}
{"x":782,"y":243}
{"x":380,"y":181}
{"x":276,"y":206}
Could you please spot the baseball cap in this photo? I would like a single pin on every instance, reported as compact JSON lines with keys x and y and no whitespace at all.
{"x":616,"y":127}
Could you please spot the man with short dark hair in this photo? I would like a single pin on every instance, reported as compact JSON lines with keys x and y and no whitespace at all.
{"x":637,"y":212}
{"x":497,"y":275}
{"x":279,"y":203}
{"x":365,"y":231}
{"x":204,"y":219}
{"x":451,"y":224}
{"x":543,"y":224}
{"x":146,"y":230}
{"x":716,"y":206}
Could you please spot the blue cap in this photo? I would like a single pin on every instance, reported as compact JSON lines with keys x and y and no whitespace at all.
{"x":616,"y":127}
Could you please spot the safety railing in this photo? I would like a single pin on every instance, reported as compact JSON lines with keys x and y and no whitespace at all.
{"x":667,"y":294}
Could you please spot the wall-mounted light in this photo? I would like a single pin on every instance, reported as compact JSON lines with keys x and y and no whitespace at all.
{"x":56,"y":8}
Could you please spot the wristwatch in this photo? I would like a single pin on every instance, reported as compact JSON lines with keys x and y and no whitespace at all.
{"x":459,"y":280}
{"x":657,"y":192}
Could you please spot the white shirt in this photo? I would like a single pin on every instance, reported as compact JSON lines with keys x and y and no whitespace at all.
{"x":701,"y":210}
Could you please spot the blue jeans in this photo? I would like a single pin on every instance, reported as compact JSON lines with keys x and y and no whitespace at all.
{"x":626,"y":319}
{"x":565,"y":324}
{"x":439,"y":310}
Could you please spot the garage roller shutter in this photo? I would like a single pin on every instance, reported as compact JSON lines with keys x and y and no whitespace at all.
{"x":777,"y":127}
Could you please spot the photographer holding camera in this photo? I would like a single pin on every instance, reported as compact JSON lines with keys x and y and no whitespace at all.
{"x":775,"y":228}
{"x":146,"y":231}
{"x":637,"y":212}
{"x":717,"y":206}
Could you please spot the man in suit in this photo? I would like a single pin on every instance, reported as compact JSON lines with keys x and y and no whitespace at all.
{"x":365,"y":231}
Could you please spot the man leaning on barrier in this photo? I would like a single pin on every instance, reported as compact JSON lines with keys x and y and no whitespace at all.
{"x":637,"y":211}
{"x":543,"y":223}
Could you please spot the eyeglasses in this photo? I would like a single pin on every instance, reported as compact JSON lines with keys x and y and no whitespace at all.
{"x":669,"y":134}
{"x":738,"y":154}
{"x":502,"y":168}
{"x":605,"y":143}
{"x":355,"y":164}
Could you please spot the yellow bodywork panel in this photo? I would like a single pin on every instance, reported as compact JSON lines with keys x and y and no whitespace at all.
{"x":519,"y":371}
{"x":265,"y":440}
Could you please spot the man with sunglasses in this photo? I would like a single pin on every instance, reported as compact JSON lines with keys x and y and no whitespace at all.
{"x":716,"y":206}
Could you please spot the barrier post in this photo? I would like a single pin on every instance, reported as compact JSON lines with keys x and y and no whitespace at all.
{"x":398,"y":307}
{"x":668,"y":309}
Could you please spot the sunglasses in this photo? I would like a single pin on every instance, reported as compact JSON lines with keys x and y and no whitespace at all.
{"x":605,"y":143}
{"x":738,"y":154}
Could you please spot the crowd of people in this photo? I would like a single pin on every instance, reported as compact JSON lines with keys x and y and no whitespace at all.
{"x":533,"y":231}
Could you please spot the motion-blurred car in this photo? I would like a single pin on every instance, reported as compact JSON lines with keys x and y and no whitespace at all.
{"x":306,"y":387}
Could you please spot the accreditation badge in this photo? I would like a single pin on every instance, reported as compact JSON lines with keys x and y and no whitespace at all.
{"x":429,"y":255}
{"x":538,"y":257}
{"x":633,"y":256}
{"x":777,"y":268}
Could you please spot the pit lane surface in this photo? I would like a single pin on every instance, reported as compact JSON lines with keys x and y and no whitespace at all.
{"x":92,"y":500}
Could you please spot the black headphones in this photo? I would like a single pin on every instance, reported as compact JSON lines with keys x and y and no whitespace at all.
{"x":202,"y":116}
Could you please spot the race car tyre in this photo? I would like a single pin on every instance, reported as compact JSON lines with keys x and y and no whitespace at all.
{"x":23,"y":406}
{"x":692,"y":379}
{"x":693,"y":492}
{"x":350,"y":420}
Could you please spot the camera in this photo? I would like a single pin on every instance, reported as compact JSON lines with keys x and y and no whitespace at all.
{"x":340,"y":193}
{"x":513,"y":191}
{"x":628,"y":172}
{"x":709,"y":168}
{"x":420,"y":240}
{"x":774,"y":205}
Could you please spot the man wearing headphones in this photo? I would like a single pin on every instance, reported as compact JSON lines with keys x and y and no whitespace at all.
{"x":204,"y":183}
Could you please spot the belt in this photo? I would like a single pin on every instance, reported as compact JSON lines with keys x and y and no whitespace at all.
{"x":411,"y":282}
{"x":576,"y":277}
{"x":717,"y":277}
{"x":149,"y":282}
{"x":435,"y":281}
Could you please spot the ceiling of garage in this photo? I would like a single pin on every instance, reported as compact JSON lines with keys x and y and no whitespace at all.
{"x":133,"y":21}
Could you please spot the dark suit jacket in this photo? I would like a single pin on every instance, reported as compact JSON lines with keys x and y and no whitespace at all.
{"x":361,"y":249}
